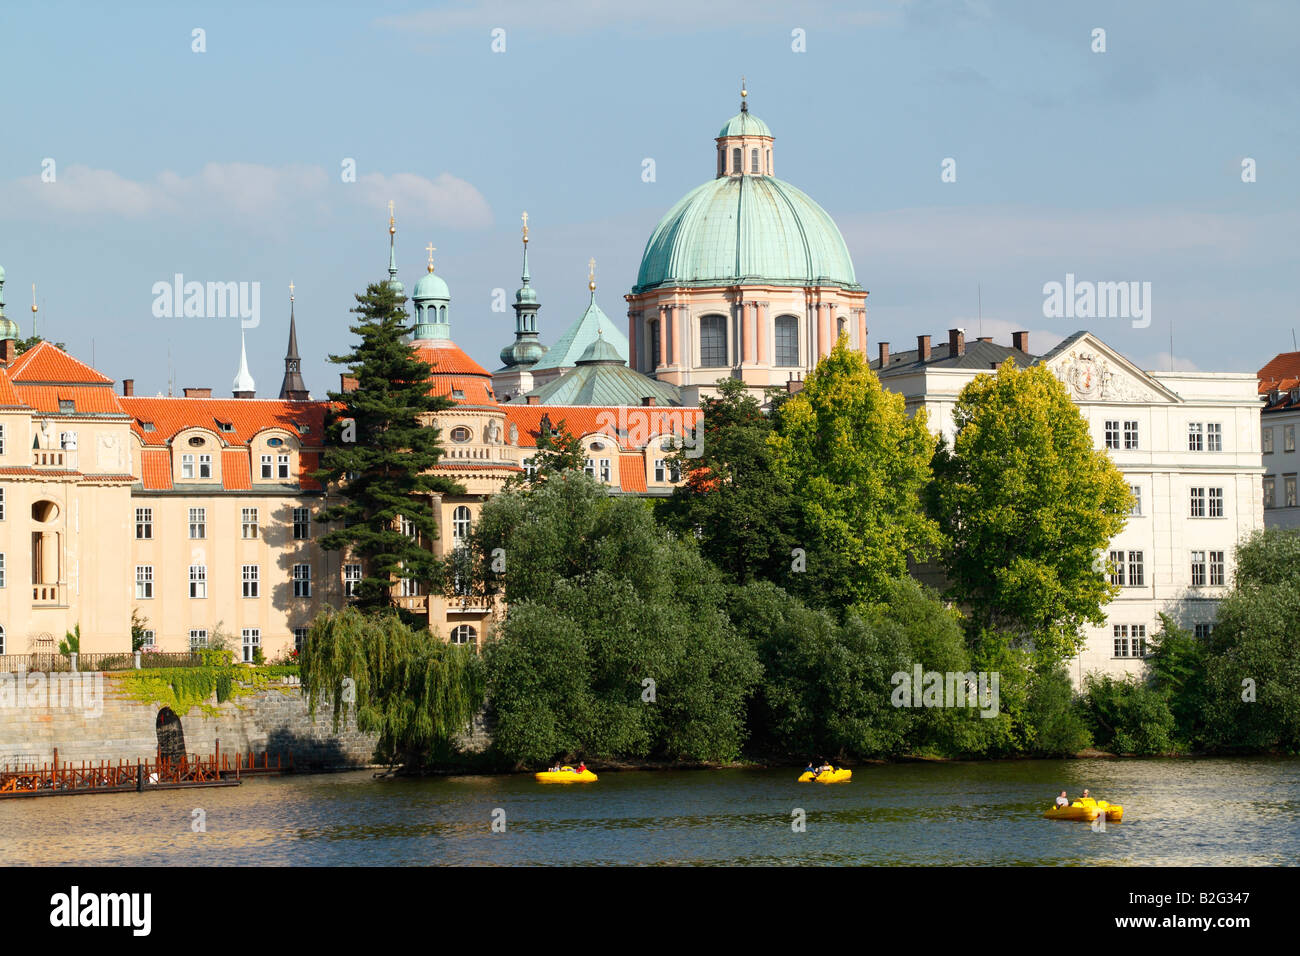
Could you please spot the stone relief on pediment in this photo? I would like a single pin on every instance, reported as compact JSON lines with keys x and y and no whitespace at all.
{"x":1091,"y":377}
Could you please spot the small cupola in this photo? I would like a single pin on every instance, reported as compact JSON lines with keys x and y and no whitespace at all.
{"x":744,"y":143}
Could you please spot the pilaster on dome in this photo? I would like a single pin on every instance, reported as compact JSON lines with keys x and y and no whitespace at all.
{"x":744,"y":143}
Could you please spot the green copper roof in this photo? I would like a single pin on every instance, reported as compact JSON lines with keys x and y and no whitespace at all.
{"x":600,"y":351}
{"x":431,"y":286}
{"x":600,"y":383}
{"x":579,"y":336}
{"x":744,"y":123}
{"x":753,"y":229}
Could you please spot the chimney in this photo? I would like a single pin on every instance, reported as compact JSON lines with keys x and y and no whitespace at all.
{"x":1020,"y":340}
{"x":884,"y":354}
{"x":986,"y":338}
{"x":648,"y":400}
{"x":956,"y":343}
{"x":198,"y":393}
{"x":533,"y":400}
{"x":8,"y":352}
{"x":128,"y":387}
{"x":923,"y":348}
{"x":347,"y":383}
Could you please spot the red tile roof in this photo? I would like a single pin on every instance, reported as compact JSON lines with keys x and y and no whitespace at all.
{"x":308,"y":461}
{"x":86,"y":399}
{"x":156,"y":469}
{"x":46,"y":364}
{"x":8,"y":397}
{"x":447,"y":358}
{"x":638,"y":424}
{"x":235,"y":472}
{"x":247,"y":416}
{"x":473,"y":390}
{"x":631,"y":473}
{"x":1284,"y":367}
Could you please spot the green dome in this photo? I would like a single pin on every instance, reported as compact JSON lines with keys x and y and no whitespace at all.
{"x":431,"y":286}
{"x":524,"y":351}
{"x":8,"y":329}
{"x":738,"y":229}
{"x":744,"y":123}
{"x":600,"y":351}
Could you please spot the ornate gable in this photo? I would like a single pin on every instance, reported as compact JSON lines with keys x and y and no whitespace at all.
{"x":1094,"y":372}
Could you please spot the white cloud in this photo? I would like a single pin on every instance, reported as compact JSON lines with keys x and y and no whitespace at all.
{"x":444,"y":201}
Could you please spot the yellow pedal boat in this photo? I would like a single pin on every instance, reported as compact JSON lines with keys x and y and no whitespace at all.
{"x":839,"y":775}
{"x":1087,"y":811}
{"x":565,"y":775}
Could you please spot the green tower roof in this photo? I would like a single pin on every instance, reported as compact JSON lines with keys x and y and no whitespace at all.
{"x":744,"y":123}
{"x":579,"y":337}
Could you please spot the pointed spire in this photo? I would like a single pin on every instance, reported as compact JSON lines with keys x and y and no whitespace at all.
{"x":292,"y":388}
{"x":393,"y":282}
{"x":244,"y":385}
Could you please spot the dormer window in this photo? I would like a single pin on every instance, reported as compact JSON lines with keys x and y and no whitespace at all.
{"x":225,"y":426}
{"x":457,"y":393}
{"x":67,"y":406}
{"x":146,"y":426}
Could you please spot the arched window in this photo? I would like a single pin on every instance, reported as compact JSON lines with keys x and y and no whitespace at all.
{"x":753,"y":161}
{"x":769,"y":162}
{"x":460,"y":523}
{"x":735,"y":161}
{"x":787,"y":340}
{"x":713,"y":341}
{"x":464,"y":634}
{"x":722,"y":159}
{"x":841,"y":326}
{"x":654,"y":346}
{"x":442,"y":313}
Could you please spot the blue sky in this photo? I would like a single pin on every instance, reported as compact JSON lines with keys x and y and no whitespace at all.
{"x":225,"y":165}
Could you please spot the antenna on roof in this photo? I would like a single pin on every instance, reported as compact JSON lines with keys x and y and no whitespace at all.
{"x":1294,"y":347}
{"x":979,"y":299}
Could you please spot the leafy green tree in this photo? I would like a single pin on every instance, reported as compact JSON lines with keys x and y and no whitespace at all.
{"x":1178,"y":662}
{"x":732,"y":499}
{"x":1027,"y":504}
{"x":381,"y":447}
{"x":138,"y":622}
{"x":413,"y":693}
{"x":1128,"y":716}
{"x":1054,"y":714}
{"x":600,"y":601}
{"x":22,"y":345}
{"x":1253,"y":670}
{"x":557,"y":451}
{"x":856,"y":464}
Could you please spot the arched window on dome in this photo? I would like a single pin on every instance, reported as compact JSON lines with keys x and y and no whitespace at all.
{"x":736,"y":166}
{"x":722,"y":161}
{"x":787,"y":340}
{"x":713,"y":341}
{"x":442,"y":313}
{"x":753,"y":161}
{"x":769,"y":162}
{"x":463,"y":634}
{"x":841,"y":327}
{"x":654,"y":345}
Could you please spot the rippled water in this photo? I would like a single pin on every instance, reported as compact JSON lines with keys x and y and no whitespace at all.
{"x":1218,"y":812}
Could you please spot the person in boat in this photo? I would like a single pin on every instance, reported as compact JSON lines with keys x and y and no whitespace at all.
{"x":1086,"y":794}
{"x":582,"y":766}
{"x":825,"y":768}
{"x":1062,"y":800}
{"x":810,"y":768}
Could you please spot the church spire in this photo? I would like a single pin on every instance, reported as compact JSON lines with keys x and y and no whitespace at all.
{"x":393,"y":282}
{"x":293,"y":389}
{"x":244,"y":385}
{"x":525,"y":349}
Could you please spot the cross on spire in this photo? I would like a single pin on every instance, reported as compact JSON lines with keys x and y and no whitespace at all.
{"x":430,"y":248}
{"x":524,"y":217}
{"x":591,"y":274}
{"x":290,"y":290}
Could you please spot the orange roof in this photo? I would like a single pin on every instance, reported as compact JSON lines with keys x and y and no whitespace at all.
{"x":86,"y":399}
{"x":8,"y":397}
{"x":631,"y":472}
{"x":447,"y":358}
{"x":156,"y":469}
{"x":46,"y":364}
{"x":246,"y":416}
{"x":630,"y":426}
{"x":235,"y":472}
{"x":472,"y":390}
{"x":308,"y":461}
{"x":1284,"y":366}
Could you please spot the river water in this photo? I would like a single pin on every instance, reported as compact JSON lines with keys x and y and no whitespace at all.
{"x":1176,"y":812}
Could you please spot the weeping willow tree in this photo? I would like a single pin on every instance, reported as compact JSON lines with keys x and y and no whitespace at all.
{"x":412,"y":690}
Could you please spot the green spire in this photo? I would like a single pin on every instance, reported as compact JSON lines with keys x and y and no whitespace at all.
{"x":393,"y":282}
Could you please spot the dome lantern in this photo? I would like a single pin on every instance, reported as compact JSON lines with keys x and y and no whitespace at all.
{"x":744,"y":143}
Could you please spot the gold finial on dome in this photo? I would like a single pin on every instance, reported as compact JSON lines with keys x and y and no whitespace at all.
{"x":392,"y":222}
{"x":33,"y":298}
{"x":290,"y":290}
{"x":591,"y":274}
{"x":744,"y":104}
{"x":524,"y":217}
{"x":430,"y":248}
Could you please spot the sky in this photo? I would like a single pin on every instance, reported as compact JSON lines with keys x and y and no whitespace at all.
{"x":135,"y":149}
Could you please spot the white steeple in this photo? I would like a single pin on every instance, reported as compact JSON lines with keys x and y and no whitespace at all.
{"x":244,"y":386}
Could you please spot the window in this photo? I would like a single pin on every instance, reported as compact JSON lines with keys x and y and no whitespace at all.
{"x":460,"y":434}
{"x":753,"y":160}
{"x":1268,"y":439}
{"x":266,"y":467}
{"x":1130,"y":640}
{"x":67,"y":406}
{"x":1213,"y":436}
{"x":735,"y":161}
{"x":299,"y":638}
{"x":1197,"y":508}
{"x":302,"y":580}
{"x":275,"y":442}
{"x":1130,"y":435}
{"x":1136,"y":509}
{"x":460,"y":523}
{"x":248,"y":523}
{"x":654,"y":345}
{"x":2,"y":504}
{"x":205,"y":466}
{"x":1138,"y":636}
{"x":1128,"y":569}
{"x":1198,"y":569}
{"x":787,"y":340}
{"x":1288,"y":484}
{"x":351,"y":578}
{"x":667,"y":470}
{"x":198,"y":581}
{"x":1121,"y":640}
{"x":198,"y":638}
{"x":1195,"y":437}
{"x":1288,"y":438}
{"x":463,"y":634}
{"x":2,"y":640}
{"x":1136,"y":575}
{"x":589,"y":466}
{"x":530,"y":468}
{"x":1112,"y":433}
{"x":198,"y":522}
{"x":1203,"y":630}
{"x":144,"y":523}
{"x":2,"y":570}
{"x":250,"y":578}
{"x":301,"y":524}
{"x":187,"y":466}
{"x":1117,"y":572}
{"x":148,"y":640}
{"x":2,"y":439}
{"x":1216,"y":502}
{"x":1270,"y":489}
{"x":407,"y":527}
{"x":252,"y":643}
{"x":408,"y":587}
{"x":605,"y":471}
{"x":1216,"y":569}
{"x":282,"y":466}
{"x":143,"y":581}
{"x":713,"y":341}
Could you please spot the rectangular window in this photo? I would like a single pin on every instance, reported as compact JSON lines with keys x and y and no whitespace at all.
{"x":2,"y":439}
{"x":1203,"y":630}
{"x":1121,"y":640}
{"x":1288,"y":438}
{"x":252,"y":642}
{"x":1130,"y":435}
{"x":299,"y":638}
{"x":1136,"y":575}
{"x":351,"y":578}
{"x":148,"y":638}
{"x":666,"y":469}
{"x":590,"y":467}
{"x":654,"y":345}
{"x":2,"y":504}
{"x":68,"y":441}
{"x":187,"y":466}
{"x":1268,"y":439}
{"x":302,"y":580}
{"x":1270,"y":492}
{"x":408,"y":587}
{"x":1112,"y":433}
{"x":282,"y":466}
{"x":1216,"y":569}
{"x":530,"y":468}
{"x":144,"y":523}
{"x":301,"y":524}
{"x":1198,"y":569}
{"x":1138,"y":636}
{"x":713,"y":341}
{"x":2,"y":570}
{"x":1216,"y":502}
{"x":1136,"y":510}
{"x":248,"y":522}
{"x":266,"y":467}
{"x":205,"y":466}
{"x":1197,"y":509}
{"x":1213,"y":436}
{"x":198,"y":581}
{"x":198,"y":638}
{"x":250,"y":579}
{"x":198,"y":522}
{"x":1117,"y":575}
{"x":143,"y":581}
{"x":787,"y":340}
{"x":1288,"y":485}
{"x":1195,"y":436}
{"x":605,"y":471}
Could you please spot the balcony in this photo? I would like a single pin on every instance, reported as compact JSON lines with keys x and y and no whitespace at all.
{"x":50,"y":595}
{"x":418,"y":604}
{"x":49,"y":458}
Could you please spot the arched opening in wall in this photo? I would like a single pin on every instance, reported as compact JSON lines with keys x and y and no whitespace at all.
{"x":841,"y":327}
{"x":753,"y":161}
{"x":787,"y":340}
{"x":464,"y":634}
{"x":171,"y":736}
{"x":735,"y":162}
{"x":44,"y":511}
{"x":713,"y":341}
